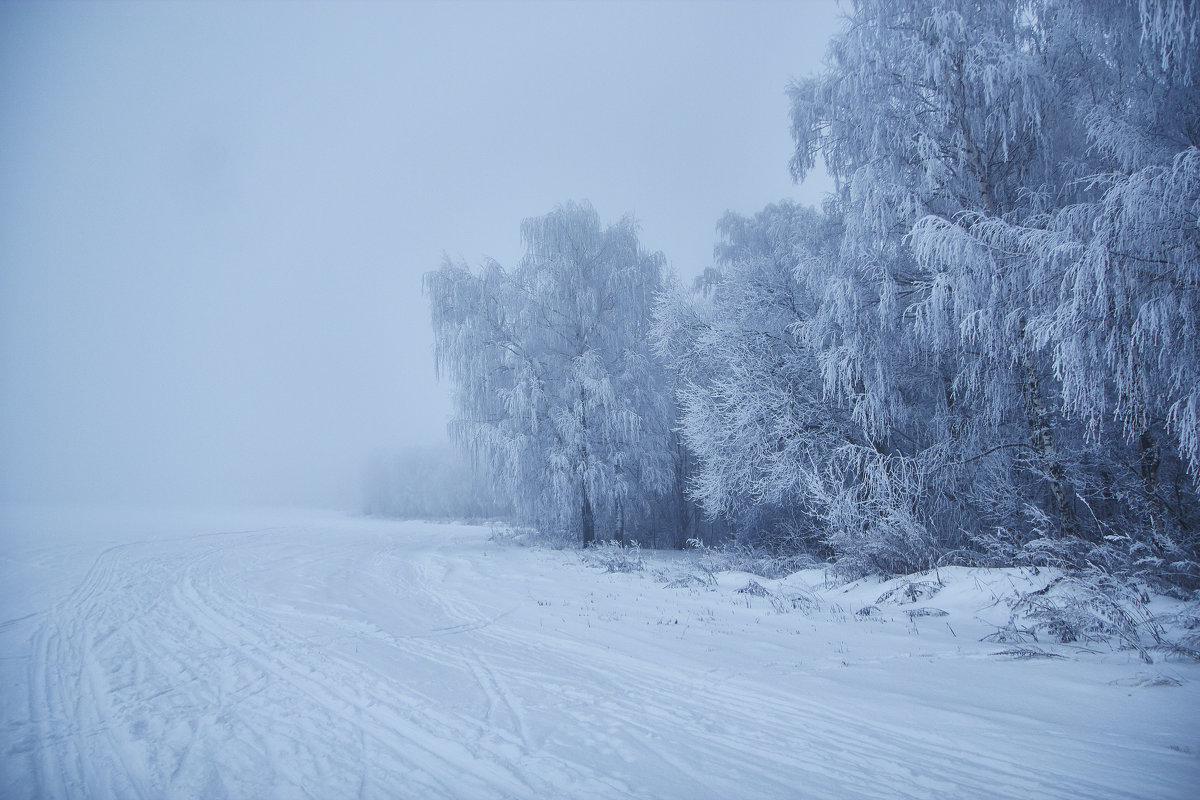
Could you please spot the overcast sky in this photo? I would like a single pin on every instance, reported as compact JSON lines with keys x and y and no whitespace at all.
{"x":215,"y":216}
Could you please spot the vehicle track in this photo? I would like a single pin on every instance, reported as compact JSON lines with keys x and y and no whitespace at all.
{"x":404,"y":663}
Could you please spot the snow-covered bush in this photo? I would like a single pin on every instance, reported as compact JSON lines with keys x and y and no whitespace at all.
{"x":742,"y":557}
{"x":506,"y":534}
{"x":612,"y":556}
{"x":1093,"y":606}
{"x":896,"y":544}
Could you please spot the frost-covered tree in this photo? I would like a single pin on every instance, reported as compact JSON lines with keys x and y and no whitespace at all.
{"x":1123,"y":334}
{"x":779,"y":454}
{"x":1017,"y":183}
{"x":931,"y":110}
{"x":558,"y":397}
{"x":1119,"y":244}
{"x":748,"y":383}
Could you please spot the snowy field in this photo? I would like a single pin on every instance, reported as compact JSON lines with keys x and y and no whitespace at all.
{"x":295,"y":655}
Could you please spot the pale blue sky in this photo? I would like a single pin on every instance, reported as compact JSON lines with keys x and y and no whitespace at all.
{"x":215,"y":216}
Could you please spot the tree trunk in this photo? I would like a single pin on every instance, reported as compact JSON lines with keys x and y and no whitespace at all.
{"x":589,"y":522}
{"x":1149,"y":462}
{"x":1042,"y":439}
{"x":620,"y":524}
{"x":683,"y":520}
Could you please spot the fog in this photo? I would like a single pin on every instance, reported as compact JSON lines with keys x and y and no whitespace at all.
{"x":215,"y":217}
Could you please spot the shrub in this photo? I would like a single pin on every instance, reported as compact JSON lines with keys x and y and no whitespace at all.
{"x":612,"y":556}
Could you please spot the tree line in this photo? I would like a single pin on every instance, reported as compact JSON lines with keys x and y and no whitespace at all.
{"x":983,"y":348}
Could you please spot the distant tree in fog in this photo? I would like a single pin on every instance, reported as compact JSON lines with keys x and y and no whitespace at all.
{"x":427,"y":483}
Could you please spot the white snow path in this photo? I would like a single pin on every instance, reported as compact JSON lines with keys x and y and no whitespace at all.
{"x":327,"y":657}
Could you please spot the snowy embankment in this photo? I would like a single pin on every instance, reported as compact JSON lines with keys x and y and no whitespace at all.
{"x":317,"y":656}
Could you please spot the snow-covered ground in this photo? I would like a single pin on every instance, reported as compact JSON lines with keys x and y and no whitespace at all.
{"x":312,"y":655}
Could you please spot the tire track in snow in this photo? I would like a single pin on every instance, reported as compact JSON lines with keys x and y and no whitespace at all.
{"x":613,"y":694}
{"x":66,"y":695}
{"x":783,"y":738}
{"x":490,"y":744}
{"x":65,"y":686}
{"x":740,"y":728}
{"x":370,"y":666}
{"x":449,"y":647}
{"x":125,"y":689}
{"x":395,"y":722}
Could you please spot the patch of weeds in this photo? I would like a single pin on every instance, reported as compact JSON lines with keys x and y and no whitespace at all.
{"x":685,"y":581}
{"x":1011,"y":634}
{"x":1096,"y":607}
{"x":612,"y":556}
{"x":736,"y":557}
{"x":909,"y":592}
{"x":755,"y":589}
{"x":1027,"y":653}
{"x":782,"y":603}
{"x":510,"y":534}
{"x":926,"y":612}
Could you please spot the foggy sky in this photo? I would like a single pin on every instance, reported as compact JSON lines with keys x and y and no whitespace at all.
{"x":214,"y":217}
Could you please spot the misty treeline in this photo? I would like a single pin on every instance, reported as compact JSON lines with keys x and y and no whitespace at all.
{"x":429,"y":483}
{"x":983,"y":349}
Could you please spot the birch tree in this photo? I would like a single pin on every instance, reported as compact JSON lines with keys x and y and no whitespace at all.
{"x":558,"y":398}
{"x":930,"y":110}
{"x":1018,"y":183}
{"x":1119,"y":245}
{"x":749,"y":390}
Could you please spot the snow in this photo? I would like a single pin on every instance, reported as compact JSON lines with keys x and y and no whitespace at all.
{"x":304,"y":654}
